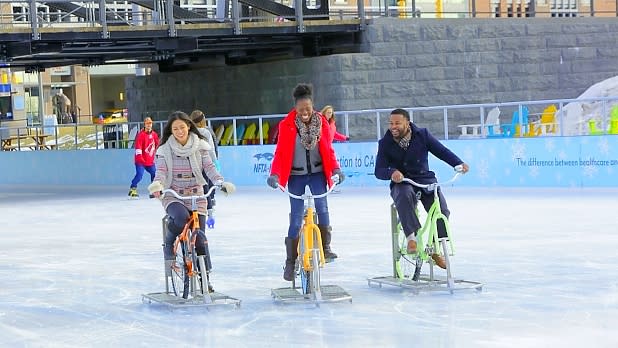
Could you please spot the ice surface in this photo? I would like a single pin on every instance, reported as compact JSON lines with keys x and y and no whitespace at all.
{"x":73,"y":267}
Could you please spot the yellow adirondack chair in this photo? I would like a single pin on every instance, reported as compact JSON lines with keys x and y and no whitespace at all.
{"x":227,"y":135}
{"x":249,"y":136}
{"x":265,"y":129}
{"x":547,"y":124}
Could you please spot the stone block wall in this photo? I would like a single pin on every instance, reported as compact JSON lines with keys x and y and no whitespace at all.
{"x":406,"y":63}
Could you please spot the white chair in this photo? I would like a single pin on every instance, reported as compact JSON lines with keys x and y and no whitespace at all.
{"x":132,"y":136}
{"x":490,"y":128}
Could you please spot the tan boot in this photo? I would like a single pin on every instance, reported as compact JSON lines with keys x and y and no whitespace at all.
{"x":439,"y":260}
{"x":411,"y":248}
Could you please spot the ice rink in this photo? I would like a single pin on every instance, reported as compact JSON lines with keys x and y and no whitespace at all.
{"x":73,"y":267}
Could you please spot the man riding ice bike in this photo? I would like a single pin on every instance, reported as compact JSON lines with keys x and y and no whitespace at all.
{"x":403,"y":153}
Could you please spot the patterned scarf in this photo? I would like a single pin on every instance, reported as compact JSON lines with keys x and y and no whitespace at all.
{"x":404,"y":142}
{"x":191,"y":150}
{"x":309,"y":133}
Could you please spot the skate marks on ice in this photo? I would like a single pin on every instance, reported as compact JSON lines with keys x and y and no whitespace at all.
{"x":75,"y":268}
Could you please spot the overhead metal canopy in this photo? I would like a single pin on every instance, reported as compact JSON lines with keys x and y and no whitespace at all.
{"x":145,"y":38}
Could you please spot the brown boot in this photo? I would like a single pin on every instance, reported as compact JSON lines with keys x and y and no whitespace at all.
{"x":325,"y":234}
{"x":439,"y":260}
{"x":291,"y":249}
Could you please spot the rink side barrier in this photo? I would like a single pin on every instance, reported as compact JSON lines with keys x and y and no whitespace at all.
{"x":582,"y":161}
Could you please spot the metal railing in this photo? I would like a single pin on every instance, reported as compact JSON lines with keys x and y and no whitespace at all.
{"x":62,"y":13}
{"x":444,"y":122}
{"x":106,"y":15}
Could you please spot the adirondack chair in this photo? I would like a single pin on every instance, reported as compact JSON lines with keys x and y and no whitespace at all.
{"x":547,"y":124}
{"x":265,"y":129}
{"x":592,"y":128}
{"x":515,"y":128}
{"x":249,"y":137}
{"x":613,"y":120}
{"x":227,"y":135}
{"x":492,"y":126}
{"x":219,"y":133}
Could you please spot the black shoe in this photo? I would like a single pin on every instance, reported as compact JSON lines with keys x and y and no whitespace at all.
{"x":329,"y":256}
{"x":288,"y":271}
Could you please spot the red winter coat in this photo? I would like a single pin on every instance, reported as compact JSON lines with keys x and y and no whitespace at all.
{"x":146,"y":145}
{"x":334,"y":134}
{"x":284,"y":152}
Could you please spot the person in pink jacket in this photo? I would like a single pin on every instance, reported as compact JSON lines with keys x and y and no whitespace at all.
{"x":146,"y":144}
{"x":329,"y":112}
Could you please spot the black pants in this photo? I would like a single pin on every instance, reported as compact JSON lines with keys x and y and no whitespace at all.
{"x":178,"y":216}
{"x":404,"y":196}
{"x":210,"y":199}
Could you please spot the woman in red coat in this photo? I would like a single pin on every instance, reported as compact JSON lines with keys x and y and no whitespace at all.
{"x":329,"y":113}
{"x":304,"y":156}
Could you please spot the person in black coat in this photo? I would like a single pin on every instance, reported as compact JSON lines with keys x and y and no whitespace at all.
{"x":403,"y":152}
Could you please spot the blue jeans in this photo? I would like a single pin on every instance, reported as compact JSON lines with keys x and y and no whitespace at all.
{"x":317,"y":185}
{"x":139,"y":172}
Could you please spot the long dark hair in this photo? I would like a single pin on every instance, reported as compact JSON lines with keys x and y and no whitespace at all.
{"x":179,"y":115}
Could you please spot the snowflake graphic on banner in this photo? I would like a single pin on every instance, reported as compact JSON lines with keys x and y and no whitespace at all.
{"x":483,"y":170}
{"x":550,"y":145}
{"x":603,"y":146}
{"x":558,"y":177}
{"x":518,"y":150}
{"x":562,"y":155}
{"x":534,"y":172}
{"x":590,"y":171}
{"x":492,"y":153}
{"x":583,"y":140}
{"x":468,"y":154}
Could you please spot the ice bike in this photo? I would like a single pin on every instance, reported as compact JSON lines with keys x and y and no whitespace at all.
{"x":187,"y":283}
{"x":407,"y":267}
{"x":310,"y":260}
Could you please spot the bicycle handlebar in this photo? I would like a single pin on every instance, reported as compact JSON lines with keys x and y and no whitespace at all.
{"x":335,"y":179}
{"x":205,"y":195}
{"x":432,"y":187}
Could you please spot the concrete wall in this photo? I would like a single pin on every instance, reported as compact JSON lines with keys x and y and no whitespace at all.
{"x":408,"y":62}
{"x":107,"y":91}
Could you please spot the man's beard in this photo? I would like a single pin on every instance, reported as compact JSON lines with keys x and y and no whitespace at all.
{"x":402,"y":134}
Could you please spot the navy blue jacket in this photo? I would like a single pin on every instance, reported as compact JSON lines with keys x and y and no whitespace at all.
{"x":412,"y":163}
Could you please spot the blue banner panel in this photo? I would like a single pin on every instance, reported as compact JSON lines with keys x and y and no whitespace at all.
{"x":588,"y":161}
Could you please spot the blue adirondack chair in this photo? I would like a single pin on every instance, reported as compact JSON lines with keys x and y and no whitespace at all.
{"x":516,"y":129}
{"x":240,"y":131}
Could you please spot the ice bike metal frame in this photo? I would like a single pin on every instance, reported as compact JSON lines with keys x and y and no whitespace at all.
{"x":187,"y":275}
{"x":310,"y":259}
{"x":428,"y":243}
